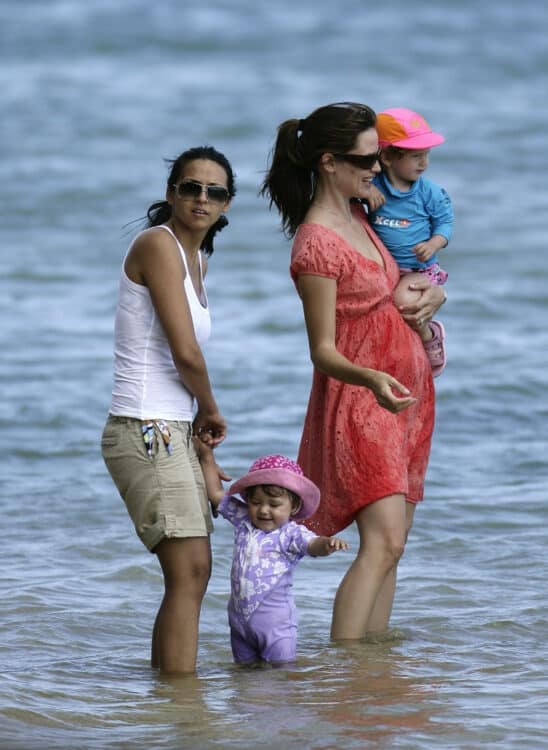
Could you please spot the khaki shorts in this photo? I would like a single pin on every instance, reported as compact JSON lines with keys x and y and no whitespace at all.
{"x":164,"y":493}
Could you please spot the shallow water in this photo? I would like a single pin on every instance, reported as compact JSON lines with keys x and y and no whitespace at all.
{"x":95,"y":96}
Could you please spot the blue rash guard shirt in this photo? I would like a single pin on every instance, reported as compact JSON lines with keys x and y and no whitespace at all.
{"x":410,"y":217}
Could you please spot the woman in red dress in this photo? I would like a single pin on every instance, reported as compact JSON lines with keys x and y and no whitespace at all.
{"x":369,"y":422}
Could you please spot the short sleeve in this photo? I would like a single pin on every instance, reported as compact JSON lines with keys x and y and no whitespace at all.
{"x":316,"y":251}
{"x":295,"y":540}
{"x":233,"y":509}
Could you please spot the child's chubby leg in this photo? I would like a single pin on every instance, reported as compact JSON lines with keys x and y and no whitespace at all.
{"x":244,"y":647}
{"x":270,"y":635}
{"x":282,"y":651}
{"x":275,"y":626}
{"x":275,"y":623}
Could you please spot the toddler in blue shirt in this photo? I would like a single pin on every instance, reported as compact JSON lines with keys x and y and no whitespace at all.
{"x":411,"y":214}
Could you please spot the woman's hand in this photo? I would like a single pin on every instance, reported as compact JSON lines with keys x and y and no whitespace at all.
{"x":424,"y":309}
{"x":319,"y":302}
{"x":383,"y":386}
{"x":210,"y":428}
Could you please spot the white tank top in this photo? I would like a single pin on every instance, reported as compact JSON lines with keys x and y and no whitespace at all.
{"x":146,"y":383}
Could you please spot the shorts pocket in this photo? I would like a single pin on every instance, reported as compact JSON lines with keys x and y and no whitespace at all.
{"x":110,"y":437}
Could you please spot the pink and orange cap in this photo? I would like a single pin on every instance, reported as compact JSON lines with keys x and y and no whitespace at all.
{"x":404,"y":128}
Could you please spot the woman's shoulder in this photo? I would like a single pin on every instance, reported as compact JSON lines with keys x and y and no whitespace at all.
{"x":157,"y":236}
{"x":317,"y":250}
{"x":315,"y":237}
{"x":158,"y":240}
{"x":321,"y":249}
{"x":152,"y":249}
{"x":311,"y":229}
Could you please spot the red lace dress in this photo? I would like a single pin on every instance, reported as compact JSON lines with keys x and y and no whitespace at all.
{"x":353,"y":449}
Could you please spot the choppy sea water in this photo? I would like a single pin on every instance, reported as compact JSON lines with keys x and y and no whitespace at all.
{"x":95,"y":97}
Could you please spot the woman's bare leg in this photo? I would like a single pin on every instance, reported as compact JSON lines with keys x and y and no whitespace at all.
{"x":186,"y":565}
{"x":382,"y":528}
{"x":382,"y":608}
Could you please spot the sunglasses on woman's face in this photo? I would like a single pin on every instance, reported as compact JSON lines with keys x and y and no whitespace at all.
{"x":362,"y":161}
{"x":193,"y":189}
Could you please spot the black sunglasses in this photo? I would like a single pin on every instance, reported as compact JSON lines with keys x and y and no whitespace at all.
{"x":193,"y":189}
{"x":362,"y":161}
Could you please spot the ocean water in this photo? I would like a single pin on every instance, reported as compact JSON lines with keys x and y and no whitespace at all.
{"x":95,"y":97}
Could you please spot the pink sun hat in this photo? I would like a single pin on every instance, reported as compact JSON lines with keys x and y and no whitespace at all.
{"x":280,"y":470}
{"x":405,"y":129}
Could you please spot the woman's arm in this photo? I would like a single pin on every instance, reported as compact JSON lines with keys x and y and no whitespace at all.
{"x":156,"y":260}
{"x":426,"y":306}
{"x":318,"y":295}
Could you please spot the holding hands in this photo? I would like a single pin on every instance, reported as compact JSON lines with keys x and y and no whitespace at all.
{"x":214,"y":476}
{"x":210,"y":428}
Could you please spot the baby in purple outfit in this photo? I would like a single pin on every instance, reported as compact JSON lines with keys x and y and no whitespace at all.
{"x":268,"y":544}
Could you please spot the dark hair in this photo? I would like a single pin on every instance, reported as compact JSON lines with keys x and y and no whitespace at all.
{"x":160,"y":211}
{"x":291,"y":180}
{"x":394,"y":152}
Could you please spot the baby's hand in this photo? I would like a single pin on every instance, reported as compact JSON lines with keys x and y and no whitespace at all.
{"x":334,"y":544}
{"x":375,"y":198}
{"x":424,"y":251}
{"x":321,"y":546}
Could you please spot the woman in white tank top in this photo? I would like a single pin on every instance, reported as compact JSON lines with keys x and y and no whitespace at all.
{"x":162,"y":396}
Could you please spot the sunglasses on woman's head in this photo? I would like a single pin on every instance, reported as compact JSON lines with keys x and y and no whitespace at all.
{"x":362,"y":161}
{"x":194,"y":189}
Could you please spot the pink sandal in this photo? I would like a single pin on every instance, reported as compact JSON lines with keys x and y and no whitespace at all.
{"x":435,"y":348}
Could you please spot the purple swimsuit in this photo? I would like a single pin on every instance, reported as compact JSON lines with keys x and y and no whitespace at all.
{"x":261,"y":611}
